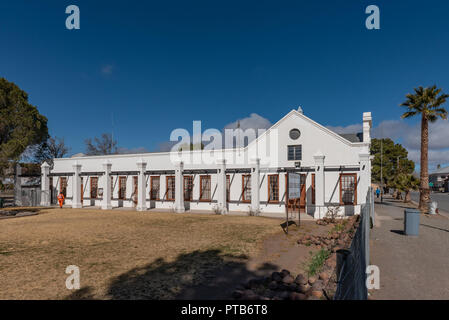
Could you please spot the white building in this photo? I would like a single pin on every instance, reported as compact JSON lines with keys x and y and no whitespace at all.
{"x":296,"y":161}
{"x":440,"y":178}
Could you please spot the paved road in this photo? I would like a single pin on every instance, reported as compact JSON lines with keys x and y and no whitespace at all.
{"x":441,"y":198}
{"x":410,"y":267}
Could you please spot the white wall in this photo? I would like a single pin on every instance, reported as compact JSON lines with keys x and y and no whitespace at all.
{"x":271,"y":147}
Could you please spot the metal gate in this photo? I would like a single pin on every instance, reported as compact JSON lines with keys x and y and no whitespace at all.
{"x":30,"y":197}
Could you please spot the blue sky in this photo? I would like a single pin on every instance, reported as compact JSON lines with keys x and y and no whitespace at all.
{"x":159,"y":65}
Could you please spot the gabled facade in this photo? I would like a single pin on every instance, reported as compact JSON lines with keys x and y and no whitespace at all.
{"x":296,"y":164}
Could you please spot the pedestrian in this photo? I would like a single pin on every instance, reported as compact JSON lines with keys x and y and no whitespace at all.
{"x":377,"y":192}
{"x":61,"y":199}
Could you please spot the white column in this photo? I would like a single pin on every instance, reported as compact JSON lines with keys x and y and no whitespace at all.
{"x":367,"y":121}
{"x":255,"y":182}
{"x":179,"y":196}
{"x":45,"y":184}
{"x":221,"y":187}
{"x":364,"y":178}
{"x":319,"y":186}
{"x":76,"y":186}
{"x":141,"y":186}
{"x":106,"y":202}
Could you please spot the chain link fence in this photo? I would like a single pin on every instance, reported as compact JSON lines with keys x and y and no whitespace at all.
{"x":352,"y":263}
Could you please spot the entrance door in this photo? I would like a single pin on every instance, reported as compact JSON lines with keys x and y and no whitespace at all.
{"x":296,"y":189}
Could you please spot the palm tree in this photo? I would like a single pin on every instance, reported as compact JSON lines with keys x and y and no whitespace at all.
{"x":426,"y":102}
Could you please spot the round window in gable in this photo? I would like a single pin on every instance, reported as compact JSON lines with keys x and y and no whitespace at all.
{"x":295,"y":134}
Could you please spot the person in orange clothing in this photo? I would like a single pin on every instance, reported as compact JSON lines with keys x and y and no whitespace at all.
{"x":61,"y":199}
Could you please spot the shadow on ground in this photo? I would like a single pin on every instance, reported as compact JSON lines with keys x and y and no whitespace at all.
{"x":400,"y":232}
{"x":206,"y":274}
{"x":397,"y":203}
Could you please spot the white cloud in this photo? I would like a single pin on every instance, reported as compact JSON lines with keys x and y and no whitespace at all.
{"x":352,"y":128}
{"x":409,"y":135}
{"x":435,"y":157}
{"x":254,"y":121}
{"x":107,"y":69}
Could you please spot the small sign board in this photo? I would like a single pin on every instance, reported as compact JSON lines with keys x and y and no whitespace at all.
{"x":294,"y":185}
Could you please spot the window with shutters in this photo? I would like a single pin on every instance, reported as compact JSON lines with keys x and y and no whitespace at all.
{"x":348,"y":188}
{"x":112,"y":187}
{"x":170,"y":188}
{"x":273,"y":188}
{"x":154,"y":189}
{"x":205,"y":194}
{"x":93,"y":187}
{"x":188,"y":188}
{"x":246,"y":188}
{"x":122,"y":188}
{"x":228,"y":187}
{"x":313,"y":188}
{"x":294,"y":153}
{"x":82,"y":189}
{"x":135,"y":189}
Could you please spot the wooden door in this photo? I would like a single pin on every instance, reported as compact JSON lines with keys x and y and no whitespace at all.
{"x":121,"y":188}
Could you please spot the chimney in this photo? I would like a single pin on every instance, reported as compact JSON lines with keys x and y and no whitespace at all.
{"x":367,"y":123}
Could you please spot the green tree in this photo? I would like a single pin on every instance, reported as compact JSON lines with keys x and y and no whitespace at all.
{"x":405,"y":183}
{"x":21,"y":124}
{"x":426,"y":103}
{"x":191,"y":147}
{"x":394,"y":161}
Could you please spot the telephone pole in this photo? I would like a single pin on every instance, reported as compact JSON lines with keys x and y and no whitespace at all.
{"x":381,"y":173}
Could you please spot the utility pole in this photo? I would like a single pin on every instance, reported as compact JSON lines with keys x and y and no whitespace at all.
{"x":381,"y":173}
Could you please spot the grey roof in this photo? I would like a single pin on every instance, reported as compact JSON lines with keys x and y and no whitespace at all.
{"x":444,"y":170}
{"x":352,"y":137}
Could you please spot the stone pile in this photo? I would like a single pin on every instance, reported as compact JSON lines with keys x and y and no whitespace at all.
{"x":284,"y":286}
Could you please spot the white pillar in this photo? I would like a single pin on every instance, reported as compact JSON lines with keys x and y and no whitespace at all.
{"x":319,"y":186}
{"x":141,"y":186}
{"x":106,"y":202}
{"x":221,"y":187}
{"x":45,"y":184}
{"x":367,"y":121}
{"x":179,"y":195}
{"x":76,"y":186}
{"x":255,"y":182}
{"x":364,"y":178}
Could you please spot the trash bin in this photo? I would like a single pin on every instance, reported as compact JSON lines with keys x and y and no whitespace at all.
{"x":411,"y":222}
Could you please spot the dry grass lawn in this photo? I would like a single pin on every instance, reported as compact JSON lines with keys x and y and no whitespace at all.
{"x":121,"y":254}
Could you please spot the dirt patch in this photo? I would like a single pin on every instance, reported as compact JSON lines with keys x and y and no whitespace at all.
{"x":282,"y":250}
{"x":277,"y":252}
{"x":123,"y":254}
